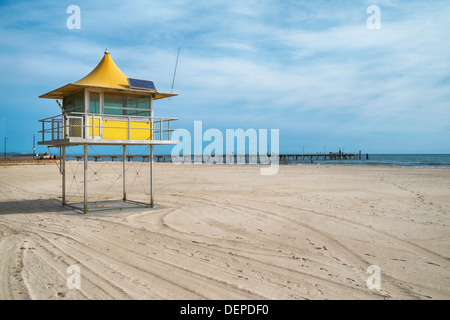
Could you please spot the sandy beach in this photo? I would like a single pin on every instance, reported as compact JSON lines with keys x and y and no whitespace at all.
{"x":227,"y":232}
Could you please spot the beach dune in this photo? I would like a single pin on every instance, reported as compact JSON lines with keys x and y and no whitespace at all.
{"x":227,"y":232}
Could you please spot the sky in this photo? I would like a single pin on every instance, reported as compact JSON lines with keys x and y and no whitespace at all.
{"x":315,"y":70}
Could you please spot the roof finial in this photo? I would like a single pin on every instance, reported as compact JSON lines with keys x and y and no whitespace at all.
{"x":106,"y":51}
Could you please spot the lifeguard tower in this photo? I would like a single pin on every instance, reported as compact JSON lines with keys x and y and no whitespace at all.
{"x":106,"y":108}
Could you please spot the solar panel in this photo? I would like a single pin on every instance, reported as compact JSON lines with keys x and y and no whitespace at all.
{"x":141,"y":84}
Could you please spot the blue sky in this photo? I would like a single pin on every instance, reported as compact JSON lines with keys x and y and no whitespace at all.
{"x":311,"y":69}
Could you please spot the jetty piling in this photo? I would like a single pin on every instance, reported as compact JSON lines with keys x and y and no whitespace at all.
{"x":235,"y":158}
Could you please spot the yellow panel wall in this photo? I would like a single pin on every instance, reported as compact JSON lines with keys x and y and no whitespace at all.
{"x":117,"y":130}
{"x":140,"y":130}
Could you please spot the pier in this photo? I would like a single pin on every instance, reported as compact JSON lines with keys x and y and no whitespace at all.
{"x":232,"y":158}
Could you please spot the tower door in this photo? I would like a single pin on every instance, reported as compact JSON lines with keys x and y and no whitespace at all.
{"x":95,"y":126}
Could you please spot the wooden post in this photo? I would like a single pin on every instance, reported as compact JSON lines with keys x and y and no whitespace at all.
{"x":85,"y":178}
{"x":63,"y":172}
{"x":152,"y":201}
{"x":168,"y":129}
{"x":53,"y":129}
{"x":93,"y":126}
{"x":128,"y":128}
{"x":124,"y":173}
{"x":43,"y":130}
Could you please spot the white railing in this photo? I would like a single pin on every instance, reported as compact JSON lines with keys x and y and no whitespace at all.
{"x":91,"y":126}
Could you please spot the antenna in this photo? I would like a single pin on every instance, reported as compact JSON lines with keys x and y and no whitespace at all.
{"x":175,"y":71}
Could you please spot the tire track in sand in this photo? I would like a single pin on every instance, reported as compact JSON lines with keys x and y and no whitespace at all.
{"x":392,"y":285}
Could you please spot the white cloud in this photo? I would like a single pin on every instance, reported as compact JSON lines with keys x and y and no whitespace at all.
{"x":303,"y":64}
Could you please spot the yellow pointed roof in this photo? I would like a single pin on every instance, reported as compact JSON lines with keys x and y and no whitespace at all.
{"x":106,"y":74}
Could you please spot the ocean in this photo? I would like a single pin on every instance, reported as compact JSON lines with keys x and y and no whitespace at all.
{"x":391,"y":160}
